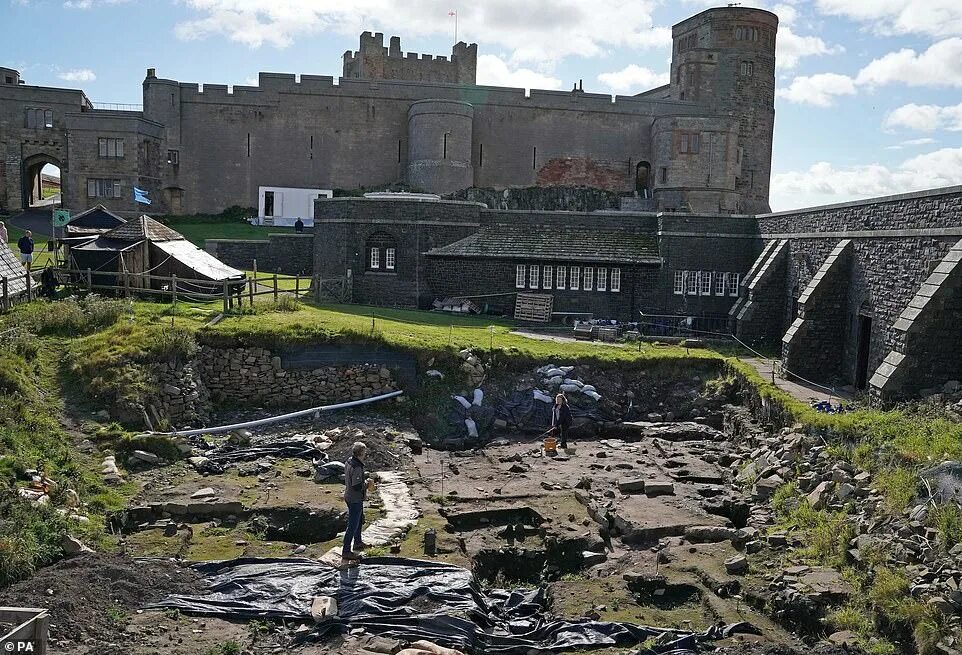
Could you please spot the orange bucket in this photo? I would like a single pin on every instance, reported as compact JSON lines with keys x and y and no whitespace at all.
{"x":550,"y":444}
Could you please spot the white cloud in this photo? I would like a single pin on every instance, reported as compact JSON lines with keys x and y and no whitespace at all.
{"x":930,"y":17}
{"x":918,"y":142}
{"x":823,"y":183}
{"x":78,"y":75}
{"x":494,"y":71}
{"x":634,"y":79}
{"x":791,"y":47}
{"x":88,"y":4}
{"x":940,"y":65}
{"x":537,"y":31}
{"x":926,"y":118}
{"x":818,"y":90}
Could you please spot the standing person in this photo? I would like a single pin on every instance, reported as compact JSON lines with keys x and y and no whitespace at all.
{"x":561,"y":418}
{"x":26,"y":249}
{"x":298,"y":225}
{"x":356,"y":486}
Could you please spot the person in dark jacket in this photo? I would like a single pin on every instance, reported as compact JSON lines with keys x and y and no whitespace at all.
{"x":298,"y":225}
{"x":561,"y":418}
{"x":356,"y":486}
{"x":25,"y":244}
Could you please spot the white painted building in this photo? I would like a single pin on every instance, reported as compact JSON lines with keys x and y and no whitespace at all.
{"x":282,"y":206}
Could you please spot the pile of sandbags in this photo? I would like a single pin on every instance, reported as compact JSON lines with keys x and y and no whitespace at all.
{"x":557,"y":378}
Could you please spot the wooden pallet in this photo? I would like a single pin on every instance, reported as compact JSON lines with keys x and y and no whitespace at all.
{"x":534,"y":307}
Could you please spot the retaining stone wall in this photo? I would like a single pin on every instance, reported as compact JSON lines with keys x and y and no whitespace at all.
{"x":290,"y":254}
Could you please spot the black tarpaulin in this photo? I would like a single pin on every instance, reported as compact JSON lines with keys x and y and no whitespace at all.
{"x":409,"y":600}
{"x":291,"y":448}
{"x":528,"y":412}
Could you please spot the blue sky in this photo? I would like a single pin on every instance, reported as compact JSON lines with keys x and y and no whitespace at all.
{"x":869,"y":91}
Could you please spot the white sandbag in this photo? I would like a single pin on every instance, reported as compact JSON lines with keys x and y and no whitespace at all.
{"x":472,"y":427}
{"x":552,"y":372}
{"x":588,"y":387}
{"x":554,"y":381}
{"x":566,"y":369}
{"x":579,"y":383}
{"x":434,"y":374}
{"x":478,"y":397}
{"x":570,"y":388}
{"x":593,"y":394}
{"x":434,"y":648}
{"x":464,"y":401}
{"x":542,"y":396}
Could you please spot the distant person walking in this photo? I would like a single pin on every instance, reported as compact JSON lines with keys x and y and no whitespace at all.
{"x":299,"y":225}
{"x":561,"y":418}
{"x":356,"y":486}
{"x":3,"y":233}
{"x":26,"y":249}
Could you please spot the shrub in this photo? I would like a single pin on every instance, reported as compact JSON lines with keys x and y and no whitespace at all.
{"x":35,"y":540}
{"x":851,"y":617}
{"x":947,"y":519}
{"x":71,"y":316}
{"x":173,"y":344}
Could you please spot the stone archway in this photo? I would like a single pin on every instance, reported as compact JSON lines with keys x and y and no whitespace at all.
{"x":30,"y":176}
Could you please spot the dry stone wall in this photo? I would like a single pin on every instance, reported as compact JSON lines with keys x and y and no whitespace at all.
{"x":255,"y":377}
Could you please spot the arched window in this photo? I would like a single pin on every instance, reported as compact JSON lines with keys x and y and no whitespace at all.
{"x":380,"y":253}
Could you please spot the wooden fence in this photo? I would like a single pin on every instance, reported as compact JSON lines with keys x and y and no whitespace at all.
{"x":232,"y":293}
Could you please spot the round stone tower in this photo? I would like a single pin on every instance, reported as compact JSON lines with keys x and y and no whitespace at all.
{"x":724,"y":59}
{"x":439,"y":150}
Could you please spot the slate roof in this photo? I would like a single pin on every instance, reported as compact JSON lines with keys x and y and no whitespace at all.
{"x":96,"y":218}
{"x":582,"y":244}
{"x":143,"y":227}
{"x":13,"y":270}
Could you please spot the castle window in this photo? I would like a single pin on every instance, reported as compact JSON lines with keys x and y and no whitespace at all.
{"x":111,"y":148}
{"x":664,"y":175}
{"x":680,"y":283}
{"x":705,"y":283}
{"x":444,"y":153}
{"x":615,"y":280}
{"x":575,"y":277}
{"x":534,"y":157}
{"x":689,"y":142}
{"x":748,"y":69}
{"x":588,"y":282}
{"x":173,"y":157}
{"x":97,"y":188}
{"x":746,"y":33}
{"x":720,"y":283}
{"x":519,"y":276}
{"x":547,"y":277}
{"x":39,"y":118}
{"x":533,"y":276}
{"x":732,"y":283}
{"x":381,"y":252}
{"x":560,"y":277}
{"x":602,"y":279}
{"x":692,"y":283}
{"x":480,"y":155}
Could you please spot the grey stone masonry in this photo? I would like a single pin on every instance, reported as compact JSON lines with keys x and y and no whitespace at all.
{"x":757,"y":313}
{"x":812,"y":347}
{"x":929,"y":341}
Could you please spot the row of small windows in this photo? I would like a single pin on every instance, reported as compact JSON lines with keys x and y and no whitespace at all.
{"x":110,"y":148}
{"x":100,"y":188}
{"x":743,"y":33}
{"x":389,"y":258}
{"x":39,"y":118}
{"x":706,"y":283}
{"x":747,"y":69}
{"x":574,"y":278}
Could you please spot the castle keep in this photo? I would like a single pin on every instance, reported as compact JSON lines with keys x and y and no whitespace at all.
{"x":700,"y":143}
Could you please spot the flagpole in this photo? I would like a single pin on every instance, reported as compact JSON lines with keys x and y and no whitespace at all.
{"x":455,"y":28}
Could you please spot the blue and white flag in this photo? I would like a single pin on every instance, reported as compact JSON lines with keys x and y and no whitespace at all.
{"x":141,"y":196}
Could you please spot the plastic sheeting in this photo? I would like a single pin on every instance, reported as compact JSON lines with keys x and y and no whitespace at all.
{"x":409,"y":600}
{"x":293,"y":448}
{"x":529,"y":412}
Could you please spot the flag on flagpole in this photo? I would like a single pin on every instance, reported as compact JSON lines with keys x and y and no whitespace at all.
{"x":140,"y":195}
{"x":452,"y":13}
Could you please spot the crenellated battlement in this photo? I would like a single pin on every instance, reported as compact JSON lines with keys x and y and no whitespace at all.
{"x":373,"y":61}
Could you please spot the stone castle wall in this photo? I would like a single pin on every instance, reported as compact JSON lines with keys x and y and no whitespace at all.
{"x":289,"y":254}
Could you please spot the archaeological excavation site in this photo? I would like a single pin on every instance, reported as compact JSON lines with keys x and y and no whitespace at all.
{"x":178,"y":487}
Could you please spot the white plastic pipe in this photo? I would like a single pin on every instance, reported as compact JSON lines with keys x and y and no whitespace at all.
{"x":278,"y":419}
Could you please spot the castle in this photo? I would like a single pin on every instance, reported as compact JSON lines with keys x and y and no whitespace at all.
{"x":700,"y":143}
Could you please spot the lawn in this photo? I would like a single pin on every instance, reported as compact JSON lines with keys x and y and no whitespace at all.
{"x":197,"y":231}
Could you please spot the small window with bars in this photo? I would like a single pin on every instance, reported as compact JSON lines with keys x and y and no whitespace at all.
{"x":389,"y":258}
{"x":560,"y":275}
{"x":375,"y":258}
{"x":693,"y":282}
{"x":680,"y":277}
{"x":110,"y":148}
{"x":98,"y":188}
{"x":732,"y":283}
{"x":575,"y":277}
{"x":705,"y":282}
{"x":720,"y":283}
{"x":602,"y":279}
{"x":519,"y":272}
{"x":533,"y":276}
{"x":616,"y":280}
{"x":588,"y":280}
{"x":547,"y":277}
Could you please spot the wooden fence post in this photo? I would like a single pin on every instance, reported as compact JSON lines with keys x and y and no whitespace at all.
{"x":250,"y":292}
{"x":173,"y":292}
{"x":226,"y":298}
{"x":29,"y":281}
{"x":90,"y":281}
{"x":297,"y":286}
{"x":6,"y":297}
{"x":275,"y":287}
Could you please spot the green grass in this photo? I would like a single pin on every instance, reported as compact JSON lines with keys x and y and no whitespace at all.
{"x":40,"y":254}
